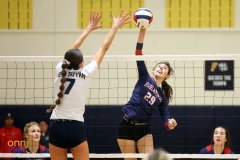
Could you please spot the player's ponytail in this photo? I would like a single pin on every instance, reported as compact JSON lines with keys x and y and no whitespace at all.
{"x":63,"y":80}
{"x":73,"y":58}
{"x":167,"y":90}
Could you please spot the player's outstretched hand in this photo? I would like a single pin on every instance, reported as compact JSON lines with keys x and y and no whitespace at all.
{"x":121,"y":20}
{"x":172,"y":123}
{"x":94,"y":19}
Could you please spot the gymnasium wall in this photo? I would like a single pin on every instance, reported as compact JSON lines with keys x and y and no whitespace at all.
{"x":50,"y":28}
{"x":194,"y":130}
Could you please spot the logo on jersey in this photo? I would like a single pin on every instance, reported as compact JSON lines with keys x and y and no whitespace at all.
{"x":154,"y":90}
{"x":73,"y":74}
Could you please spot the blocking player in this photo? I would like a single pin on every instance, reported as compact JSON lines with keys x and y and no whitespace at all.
{"x":71,"y":86}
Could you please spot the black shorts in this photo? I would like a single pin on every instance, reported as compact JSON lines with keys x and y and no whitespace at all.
{"x":66,"y":134}
{"x":131,"y":130}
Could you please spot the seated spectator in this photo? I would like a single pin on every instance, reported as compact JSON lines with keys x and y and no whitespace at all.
{"x":10,"y":136}
{"x":220,"y":143}
{"x":44,"y":140}
{"x":32,"y":135}
{"x":158,"y":154}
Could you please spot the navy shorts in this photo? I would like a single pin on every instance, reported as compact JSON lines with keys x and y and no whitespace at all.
{"x":130,"y":130}
{"x":66,"y":134}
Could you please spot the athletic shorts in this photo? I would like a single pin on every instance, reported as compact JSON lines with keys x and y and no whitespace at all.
{"x":66,"y":134}
{"x":130,"y":130}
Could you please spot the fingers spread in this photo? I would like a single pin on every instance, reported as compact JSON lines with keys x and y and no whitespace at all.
{"x":126,"y":15}
{"x":120,"y":15}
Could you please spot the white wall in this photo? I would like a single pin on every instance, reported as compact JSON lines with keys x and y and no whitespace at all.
{"x":55,"y":29}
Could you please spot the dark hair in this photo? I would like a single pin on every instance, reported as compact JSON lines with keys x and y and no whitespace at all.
{"x":228,"y":143}
{"x":166,"y":88}
{"x":73,"y":58}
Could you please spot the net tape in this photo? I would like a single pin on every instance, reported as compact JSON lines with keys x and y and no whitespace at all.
{"x":129,"y":57}
{"x":133,"y":155}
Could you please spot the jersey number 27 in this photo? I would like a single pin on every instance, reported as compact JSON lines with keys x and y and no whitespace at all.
{"x":149,"y":98}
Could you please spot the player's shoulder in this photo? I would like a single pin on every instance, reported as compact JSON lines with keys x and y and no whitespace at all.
{"x":20,"y":149}
{"x":227,"y":151}
{"x":43,"y":149}
{"x":206,"y":150}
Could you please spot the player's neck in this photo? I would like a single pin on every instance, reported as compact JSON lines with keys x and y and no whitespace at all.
{"x":158,"y":81}
{"x":218,"y":149}
{"x":33,"y":147}
{"x":8,"y":126}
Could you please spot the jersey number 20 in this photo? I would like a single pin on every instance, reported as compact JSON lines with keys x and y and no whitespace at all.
{"x":72,"y":81}
{"x":149,"y":98}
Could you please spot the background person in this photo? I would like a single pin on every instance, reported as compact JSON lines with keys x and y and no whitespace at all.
{"x":10,"y":136}
{"x":44,"y":140}
{"x":220,"y":142}
{"x":32,"y":133}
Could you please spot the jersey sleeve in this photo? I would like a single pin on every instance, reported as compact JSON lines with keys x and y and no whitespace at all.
{"x":91,"y":69}
{"x":18,"y":150}
{"x":142,"y":69}
{"x":203,"y":151}
{"x":164,"y":112}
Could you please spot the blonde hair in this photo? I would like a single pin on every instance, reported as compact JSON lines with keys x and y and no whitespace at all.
{"x":25,"y":131}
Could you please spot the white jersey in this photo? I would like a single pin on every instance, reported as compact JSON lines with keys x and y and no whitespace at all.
{"x":75,"y":91}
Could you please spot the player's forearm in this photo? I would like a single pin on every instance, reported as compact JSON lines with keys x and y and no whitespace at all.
{"x":140,"y":42}
{"x":81,"y":38}
{"x":141,"y":35}
{"x":108,"y":40}
{"x":106,"y":44}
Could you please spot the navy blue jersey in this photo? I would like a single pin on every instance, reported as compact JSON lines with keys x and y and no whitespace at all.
{"x":146,"y":98}
{"x":210,"y":150}
{"x":22,"y":149}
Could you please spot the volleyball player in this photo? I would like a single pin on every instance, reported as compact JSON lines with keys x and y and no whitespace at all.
{"x":220,"y":142}
{"x":147,"y":97}
{"x":71,"y":87}
{"x":32,"y":136}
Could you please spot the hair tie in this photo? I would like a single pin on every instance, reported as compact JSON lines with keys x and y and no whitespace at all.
{"x":67,"y":62}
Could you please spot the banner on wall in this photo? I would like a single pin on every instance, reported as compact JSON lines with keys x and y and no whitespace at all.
{"x":219,"y":75}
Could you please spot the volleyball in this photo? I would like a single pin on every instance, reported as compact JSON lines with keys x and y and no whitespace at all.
{"x":142,"y":18}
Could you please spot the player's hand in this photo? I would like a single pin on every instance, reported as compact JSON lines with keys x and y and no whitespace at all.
{"x":172,"y":123}
{"x":121,"y":20}
{"x":94,"y":19}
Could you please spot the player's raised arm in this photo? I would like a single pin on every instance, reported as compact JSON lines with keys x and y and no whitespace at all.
{"x":140,"y":42}
{"x":117,"y":23}
{"x":93,"y":25}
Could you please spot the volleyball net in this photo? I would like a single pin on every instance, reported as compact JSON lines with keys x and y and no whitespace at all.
{"x":29,"y":80}
{"x":206,"y":93}
{"x":120,"y":156}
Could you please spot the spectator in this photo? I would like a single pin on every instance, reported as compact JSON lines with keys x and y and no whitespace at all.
{"x":32,"y":137}
{"x":44,"y":133}
{"x":11,"y":136}
{"x":158,"y":154}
